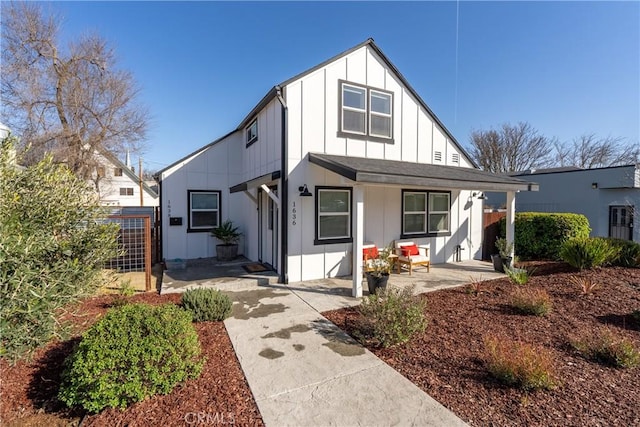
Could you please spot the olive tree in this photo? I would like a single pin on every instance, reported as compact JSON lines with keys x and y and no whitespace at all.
{"x":53,"y":246}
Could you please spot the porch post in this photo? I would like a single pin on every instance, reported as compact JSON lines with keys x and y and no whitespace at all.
{"x":358,"y":237}
{"x":511,"y":214}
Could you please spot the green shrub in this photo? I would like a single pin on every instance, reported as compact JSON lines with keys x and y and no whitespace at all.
{"x":636,"y":315}
{"x":533,"y":301}
{"x":133,"y":352}
{"x":588,"y":253}
{"x":608,"y":348}
{"x":540,"y":235}
{"x":519,"y":276}
{"x":206,"y":304}
{"x":394,"y":315}
{"x":518,"y":364}
{"x":52,"y":249}
{"x":628,"y":252}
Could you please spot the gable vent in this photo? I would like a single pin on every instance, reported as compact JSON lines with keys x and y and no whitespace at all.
{"x":437,"y":156}
{"x":455,"y":158}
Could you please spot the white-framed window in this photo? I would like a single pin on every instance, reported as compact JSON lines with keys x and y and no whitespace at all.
{"x":354,"y":109}
{"x":204,"y":210}
{"x":439,"y":208}
{"x":126,"y":191}
{"x":380,"y":114}
{"x":333,"y":215}
{"x":252,"y":132}
{"x":414,"y":212}
{"x":117,"y":171}
{"x":365,"y":112}
{"x":425,"y":213}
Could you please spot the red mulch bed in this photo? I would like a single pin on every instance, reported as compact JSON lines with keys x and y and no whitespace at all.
{"x":446,"y":360}
{"x":220,"y":395}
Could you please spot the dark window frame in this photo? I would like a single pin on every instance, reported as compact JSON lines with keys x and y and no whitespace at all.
{"x":317,"y":241}
{"x":251,"y":140}
{"x":126,"y":191}
{"x":367,"y":135}
{"x":404,"y":235}
{"x":117,"y":171}
{"x":202,"y":229}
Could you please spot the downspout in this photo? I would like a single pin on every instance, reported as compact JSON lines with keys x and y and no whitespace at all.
{"x":284,"y":198}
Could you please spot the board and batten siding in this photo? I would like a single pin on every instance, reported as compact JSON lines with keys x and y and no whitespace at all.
{"x":313,"y":103}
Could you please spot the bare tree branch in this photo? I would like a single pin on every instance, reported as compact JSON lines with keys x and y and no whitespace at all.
{"x":71,"y":102}
{"x":589,"y":151}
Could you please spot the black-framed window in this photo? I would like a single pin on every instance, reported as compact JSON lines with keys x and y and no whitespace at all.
{"x":426,"y":213}
{"x":126,"y":191}
{"x":252,"y":132}
{"x":333,"y":215}
{"x":365,"y":112}
{"x":204,"y":210}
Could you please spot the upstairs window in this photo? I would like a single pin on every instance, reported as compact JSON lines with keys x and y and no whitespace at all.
{"x":126,"y":191}
{"x":117,"y":172}
{"x":100,"y":171}
{"x":365,"y":113}
{"x":252,"y":132}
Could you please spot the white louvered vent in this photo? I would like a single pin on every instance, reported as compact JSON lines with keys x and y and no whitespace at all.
{"x":437,"y":156}
{"x":455,"y":158}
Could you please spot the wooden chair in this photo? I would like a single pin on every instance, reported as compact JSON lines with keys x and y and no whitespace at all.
{"x":410,"y":255}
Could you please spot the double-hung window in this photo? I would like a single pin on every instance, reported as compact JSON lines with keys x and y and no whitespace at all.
{"x":204,"y":210}
{"x":425,"y":213}
{"x":333,"y":215}
{"x":365,"y":112}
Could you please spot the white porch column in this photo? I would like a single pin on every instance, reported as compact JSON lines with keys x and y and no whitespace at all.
{"x":511,"y":214}
{"x":358,"y":237}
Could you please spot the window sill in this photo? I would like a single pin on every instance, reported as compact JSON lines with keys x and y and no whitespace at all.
{"x":318,"y":242}
{"x":250,"y":143}
{"x":199,"y":230}
{"x":342,"y":134}
{"x":419,"y":235}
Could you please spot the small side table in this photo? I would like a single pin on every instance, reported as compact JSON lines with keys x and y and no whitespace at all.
{"x":393,"y":259}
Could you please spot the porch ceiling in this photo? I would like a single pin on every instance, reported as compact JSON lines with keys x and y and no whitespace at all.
{"x":377,"y":171}
{"x":255,"y":182}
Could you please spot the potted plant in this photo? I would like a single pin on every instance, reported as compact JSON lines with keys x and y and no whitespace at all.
{"x":229,"y":236}
{"x":379,"y":270}
{"x":502,"y":259}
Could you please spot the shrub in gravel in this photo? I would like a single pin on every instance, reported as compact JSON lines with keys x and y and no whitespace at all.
{"x":393,"y":315}
{"x":628,"y":252}
{"x":133,"y":352}
{"x":535,"y":301}
{"x":206,"y":304}
{"x":519,"y":364}
{"x":609,"y":348}
{"x":588,"y":253}
{"x":586,"y":284}
{"x":519,"y":276}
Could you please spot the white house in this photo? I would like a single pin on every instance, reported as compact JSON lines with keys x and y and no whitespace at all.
{"x":119,"y":186}
{"x":343,"y":153}
{"x":609,"y":197}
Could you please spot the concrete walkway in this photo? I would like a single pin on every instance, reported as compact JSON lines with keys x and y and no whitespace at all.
{"x":304,"y":371}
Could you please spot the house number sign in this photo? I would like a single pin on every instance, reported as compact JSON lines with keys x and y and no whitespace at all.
{"x":294,"y":215}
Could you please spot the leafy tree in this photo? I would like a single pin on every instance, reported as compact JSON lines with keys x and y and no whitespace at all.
{"x":73,"y":101}
{"x":52,"y":248}
{"x":511,"y":148}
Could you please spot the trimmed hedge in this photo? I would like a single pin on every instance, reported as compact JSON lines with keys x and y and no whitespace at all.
{"x":133,"y":352}
{"x":540,"y":235}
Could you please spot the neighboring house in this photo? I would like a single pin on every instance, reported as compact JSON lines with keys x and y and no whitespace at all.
{"x":119,"y":186}
{"x":609,"y":197}
{"x":344,"y":153}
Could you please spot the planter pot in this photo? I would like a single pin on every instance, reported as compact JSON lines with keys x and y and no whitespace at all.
{"x":226,"y":252}
{"x":500,"y":263}
{"x":376,"y":282}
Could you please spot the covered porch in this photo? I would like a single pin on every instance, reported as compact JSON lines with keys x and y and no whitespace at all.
{"x":363,"y":174}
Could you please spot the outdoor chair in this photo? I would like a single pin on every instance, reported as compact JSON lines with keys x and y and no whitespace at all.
{"x":410,"y":255}
{"x":369,"y":253}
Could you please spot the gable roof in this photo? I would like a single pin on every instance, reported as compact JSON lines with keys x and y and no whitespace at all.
{"x":370,"y":43}
{"x":273,"y":92}
{"x":128,"y":172}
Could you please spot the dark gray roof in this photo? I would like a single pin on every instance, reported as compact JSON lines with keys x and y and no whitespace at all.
{"x":418,"y":174}
{"x":546,"y":170}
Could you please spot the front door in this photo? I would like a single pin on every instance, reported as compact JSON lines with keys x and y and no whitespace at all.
{"x":268,"y":217}
{"x":621,"y":222}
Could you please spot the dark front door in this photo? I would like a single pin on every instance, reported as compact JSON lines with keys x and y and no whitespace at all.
{"x":621,"y":222}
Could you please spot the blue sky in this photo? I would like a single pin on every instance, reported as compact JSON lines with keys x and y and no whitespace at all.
{"x":568,"y":68}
